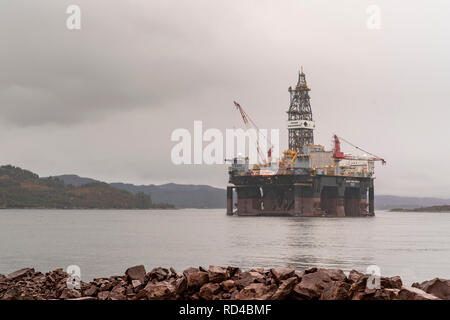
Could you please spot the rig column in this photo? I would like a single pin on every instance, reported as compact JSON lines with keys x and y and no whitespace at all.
{"x":340,"y":209}
{"x":229,"y":201}
{"x":371,"y":201}
{"x":298,"y":200}
{"x":363,"y":200}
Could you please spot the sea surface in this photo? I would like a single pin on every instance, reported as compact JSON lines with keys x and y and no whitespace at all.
{"x":414,"y":245}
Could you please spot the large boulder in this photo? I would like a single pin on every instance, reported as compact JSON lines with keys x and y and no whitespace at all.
{"x":285,"y":288}
{"x":248,"y":277}
{"x":117,"y":293}
{"x":92,"y":290}
{"x":217,"y":274}
{"x":209,"y":290}
{"x":180,"y":285}
{"x":195,"y":278}
{"x":159,"y":274}
{"x":334,"y":274}
{"x":69,"y":294}
{"x":256,"y":291}
{"x":354,"y":276}
{"x":337,"y":290}
{"x":163,"y":290}
{"x":391,"y":282}
{"x":136,"y":273}
{"x":437,"y":287}
{"x":283,"y":273}
{"x":16,"y":275}
{"x":412,"y":293}
{"x":313,"y":284}
{"x":228,"y":285}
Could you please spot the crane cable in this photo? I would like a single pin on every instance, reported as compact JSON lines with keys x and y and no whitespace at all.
{"x":373,"y":155}
{"x":246,"y":118}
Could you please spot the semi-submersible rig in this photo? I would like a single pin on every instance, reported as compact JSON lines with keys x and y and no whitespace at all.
{"x":307,"y":181}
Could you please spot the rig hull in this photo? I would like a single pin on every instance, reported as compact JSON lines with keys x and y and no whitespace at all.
{"x":301,"y":195}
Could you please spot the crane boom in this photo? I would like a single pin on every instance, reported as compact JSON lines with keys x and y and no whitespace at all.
{"x":247,"y":121}
{"x":338,"y":154}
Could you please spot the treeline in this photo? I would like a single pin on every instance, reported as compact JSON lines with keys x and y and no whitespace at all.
{"x":21,"y":188}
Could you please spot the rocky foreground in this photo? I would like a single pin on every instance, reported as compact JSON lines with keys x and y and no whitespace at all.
{"x":218,"y":283}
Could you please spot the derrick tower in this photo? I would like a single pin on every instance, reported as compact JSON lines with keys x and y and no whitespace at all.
{"x":300,"y":121}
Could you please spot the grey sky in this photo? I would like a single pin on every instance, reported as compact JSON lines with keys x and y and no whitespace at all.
{"x":102,"y":101}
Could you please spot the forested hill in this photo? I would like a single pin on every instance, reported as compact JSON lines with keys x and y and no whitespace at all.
{"x":21,"y":188}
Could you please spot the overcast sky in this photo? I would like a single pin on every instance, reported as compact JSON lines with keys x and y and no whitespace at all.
{"x":103,"y":101}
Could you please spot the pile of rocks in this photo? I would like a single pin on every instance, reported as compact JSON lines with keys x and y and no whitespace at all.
{"x":218,"y":283}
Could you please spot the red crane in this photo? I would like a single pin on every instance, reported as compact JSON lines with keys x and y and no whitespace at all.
{"x":339,"y":155}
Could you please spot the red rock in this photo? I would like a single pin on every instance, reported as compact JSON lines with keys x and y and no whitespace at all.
{"x":11,"y":294}
{"x":103,"y":295}
{"x":217,"y":274}
{"x":159,"y":274}
{"x":310,"y":270}
{"x":412,"y":293}
{"x":437,"y":287}
{"x":91,"y":291}
{"x":16,"y":275}
{"x":354,"y":276}
{"x":227,"y":285}
{"x":334,"y":274}
{"x":337,"y":290}
{"x":136,"y":285}
{"x":69,"y":294}
{"x":391,"y":283}
{"x":285,"y":288}
{"x":232,"y":271}
{"x":180,"y":285}
{"x":208,"y":290}
{"x":256,"y":291}
{"x":117,"y":293}
{"x":195,"y":278}
{"x":283,"y":273}
{"x":106,"y":285}
{"x":160,"y":290}
{"x":248,"y":277}
{"x":136,"y":273}
{"x":312,"y":285}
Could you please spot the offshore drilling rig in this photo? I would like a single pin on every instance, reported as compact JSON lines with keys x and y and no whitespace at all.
{"x":308,"y":180}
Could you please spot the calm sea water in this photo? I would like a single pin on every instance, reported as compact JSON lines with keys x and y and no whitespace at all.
{"x":106,"y":242}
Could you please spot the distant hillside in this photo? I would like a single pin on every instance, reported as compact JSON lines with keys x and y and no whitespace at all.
{"x":21,"y":188}
{"x":445,"y":208}
{"x":385,"y":202}
{"x":181,"y":195}
{"x":75,"y":180}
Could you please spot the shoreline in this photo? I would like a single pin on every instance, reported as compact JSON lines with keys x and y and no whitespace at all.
{"x":218,"y":283}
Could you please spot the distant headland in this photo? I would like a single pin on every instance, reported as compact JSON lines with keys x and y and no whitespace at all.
{"x":23,"y":189}
{"x":444,"y":208}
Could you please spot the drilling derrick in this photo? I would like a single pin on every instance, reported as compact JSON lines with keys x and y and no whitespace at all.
{"x":300,"y":121}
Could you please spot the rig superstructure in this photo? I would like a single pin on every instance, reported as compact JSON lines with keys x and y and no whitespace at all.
{"x":307,"y":180}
